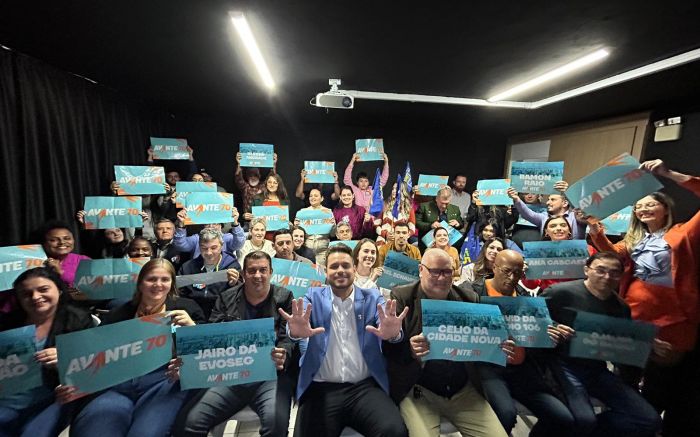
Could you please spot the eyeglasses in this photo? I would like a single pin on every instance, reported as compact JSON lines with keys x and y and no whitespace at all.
{"x":436,"y":273}
{"x":599,"y":271}
{"x":508,"y":272}
{"x":649,"y":205}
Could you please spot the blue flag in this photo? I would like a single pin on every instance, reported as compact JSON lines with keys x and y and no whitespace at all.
{"x":470,"y":247}
{"x":377,"y":205}
{"x":407,"y":178}
{"x":397,"y":201}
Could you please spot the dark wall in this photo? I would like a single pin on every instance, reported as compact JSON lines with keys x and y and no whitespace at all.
{"x":682,"y":155}
{"x":429,"y":148}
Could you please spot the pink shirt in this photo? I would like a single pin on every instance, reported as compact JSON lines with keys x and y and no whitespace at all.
{"x":363,"y":198}
{"x":69,"y":265}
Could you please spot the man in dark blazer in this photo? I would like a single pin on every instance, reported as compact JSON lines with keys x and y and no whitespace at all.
{"x":436,"y":388}
{"x":430,"y":214}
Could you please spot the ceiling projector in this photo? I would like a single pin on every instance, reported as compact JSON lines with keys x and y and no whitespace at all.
{"x":335,"y":98}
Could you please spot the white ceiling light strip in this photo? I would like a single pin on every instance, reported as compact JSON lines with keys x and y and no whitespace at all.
{"x":551,"y":75}
{"x":246,"y":35}
{"x":645,"y":70}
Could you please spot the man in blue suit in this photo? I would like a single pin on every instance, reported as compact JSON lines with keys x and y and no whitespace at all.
{"x":343,"y":379}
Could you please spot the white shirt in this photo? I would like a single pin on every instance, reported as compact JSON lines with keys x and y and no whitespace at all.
{"x":344,"y":361}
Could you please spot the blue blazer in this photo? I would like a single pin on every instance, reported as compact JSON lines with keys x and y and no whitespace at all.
{"x":314,"y":349}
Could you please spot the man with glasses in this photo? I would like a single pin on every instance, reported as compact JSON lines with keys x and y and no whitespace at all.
{"x":426,"y":391}
{"x":522,"y":378}
{"x":626,"y":413}
{"x":255,"y":298}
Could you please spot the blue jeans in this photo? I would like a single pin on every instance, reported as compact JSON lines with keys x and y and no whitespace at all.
{"x":503,"y":384}
{"x":627,"y":413}
{"x":271,"y":400}
{"x":40,"y":420}
{"x":145,"y":406}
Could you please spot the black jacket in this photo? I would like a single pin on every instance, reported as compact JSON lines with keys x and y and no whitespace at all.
{"x":230,"y":306}
{"x":404,"y":370}
{"x":128,"y":311}
{"x":205,"y":295}
{"x":68,"y":318}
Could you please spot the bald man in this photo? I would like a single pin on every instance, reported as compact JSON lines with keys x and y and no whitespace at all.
{"x":437,"y":388}
{"x":508,"y":270}
{"x":522,"y":378}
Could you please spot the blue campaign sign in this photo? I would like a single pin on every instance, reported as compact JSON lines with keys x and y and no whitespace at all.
{"x":137,"y":180}
{"x":98,"y":358}
{"x":493,"y":192}
{"x":19,"y":371}
{"x":105,"y":212}
{"x":170,"y":148}
{"x":225,"y":354}
{"x":619,"y":222}
{"x":108,"y":278}
{"x":204,"y":208}
{"x":398,"y":270}
{"x":527,"y":319}
{"x":320,"y":172}
{"x":370,"y":149}
{"x":605,"y":338}
{"x":555,"y":259}
{"x":184,"y":188}
{"x":296,"y":276}
{"x":276,"y":217}
{"x":316,"y":221}
{"x":615,"y":185}
{"x":16,"y":259}
{"x":453,"y":234}
{"x":429,"y":185}
{"x":536,"y":208}
{"x":257,"y":155}
{"x":536,"y":177}
{"x":350,"y":243}
{"x":461,"y":331}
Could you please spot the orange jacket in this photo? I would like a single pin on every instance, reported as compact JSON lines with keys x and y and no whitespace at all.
{"x":684,"y":241}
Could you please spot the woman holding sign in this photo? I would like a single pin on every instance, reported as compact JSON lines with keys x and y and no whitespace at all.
{"x":661,"y":286}
{"x":148,"y":405}
{"x":317,"y":242}
{"x":482,"y":268}
{"x":555,"y":229}
{"x":44,"y":303}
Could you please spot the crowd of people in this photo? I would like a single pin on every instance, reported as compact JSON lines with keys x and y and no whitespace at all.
{"x":357,"y":359}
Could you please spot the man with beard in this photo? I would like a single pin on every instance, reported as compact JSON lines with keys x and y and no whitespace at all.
{"x":459,"y":196}
{"x":284,"y":247}
{"x":343,"y":379}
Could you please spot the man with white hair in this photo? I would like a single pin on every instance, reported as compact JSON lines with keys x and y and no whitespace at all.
{"x":426,"y":391}
{"x":430,"y":214}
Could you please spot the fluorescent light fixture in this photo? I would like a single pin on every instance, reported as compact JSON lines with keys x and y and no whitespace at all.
{"x":645,"y":70}
{"x":551,"y":75}
{"x":243,"y":29}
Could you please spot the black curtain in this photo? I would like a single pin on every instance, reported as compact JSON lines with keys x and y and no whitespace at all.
{"x":60,"y":137}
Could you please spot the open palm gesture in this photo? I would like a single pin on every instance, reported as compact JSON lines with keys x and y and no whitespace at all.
{"x":389,"y":322}
{"x":298,"y":322}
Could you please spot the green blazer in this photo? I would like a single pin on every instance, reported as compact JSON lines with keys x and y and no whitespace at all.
{"x":428,"y":213}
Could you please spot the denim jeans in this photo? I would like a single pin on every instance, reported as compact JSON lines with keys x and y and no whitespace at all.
{"x":627,"y":413}
{"x":145,"y":406}
{"x":501,"y":385}
{"x":271,"y":400}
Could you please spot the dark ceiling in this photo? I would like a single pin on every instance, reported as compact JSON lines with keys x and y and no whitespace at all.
{"x":182,"y":55}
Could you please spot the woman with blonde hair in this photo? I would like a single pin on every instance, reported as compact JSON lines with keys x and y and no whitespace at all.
{"x":256,"y":239}
{"x":441,"y":240}
{"x":661,"y":284}
{"x":129,"y":408}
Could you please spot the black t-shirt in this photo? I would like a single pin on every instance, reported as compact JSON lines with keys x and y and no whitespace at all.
{"x":566,"y":298}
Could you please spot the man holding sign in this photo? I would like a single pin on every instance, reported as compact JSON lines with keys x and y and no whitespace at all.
{"x":523,"y":378}
{"x":256,"y":298}
{"x":343,"y":379}
{"x":426,"y":391}
{"x":627,"y":413}
{"x":430,"y":214}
